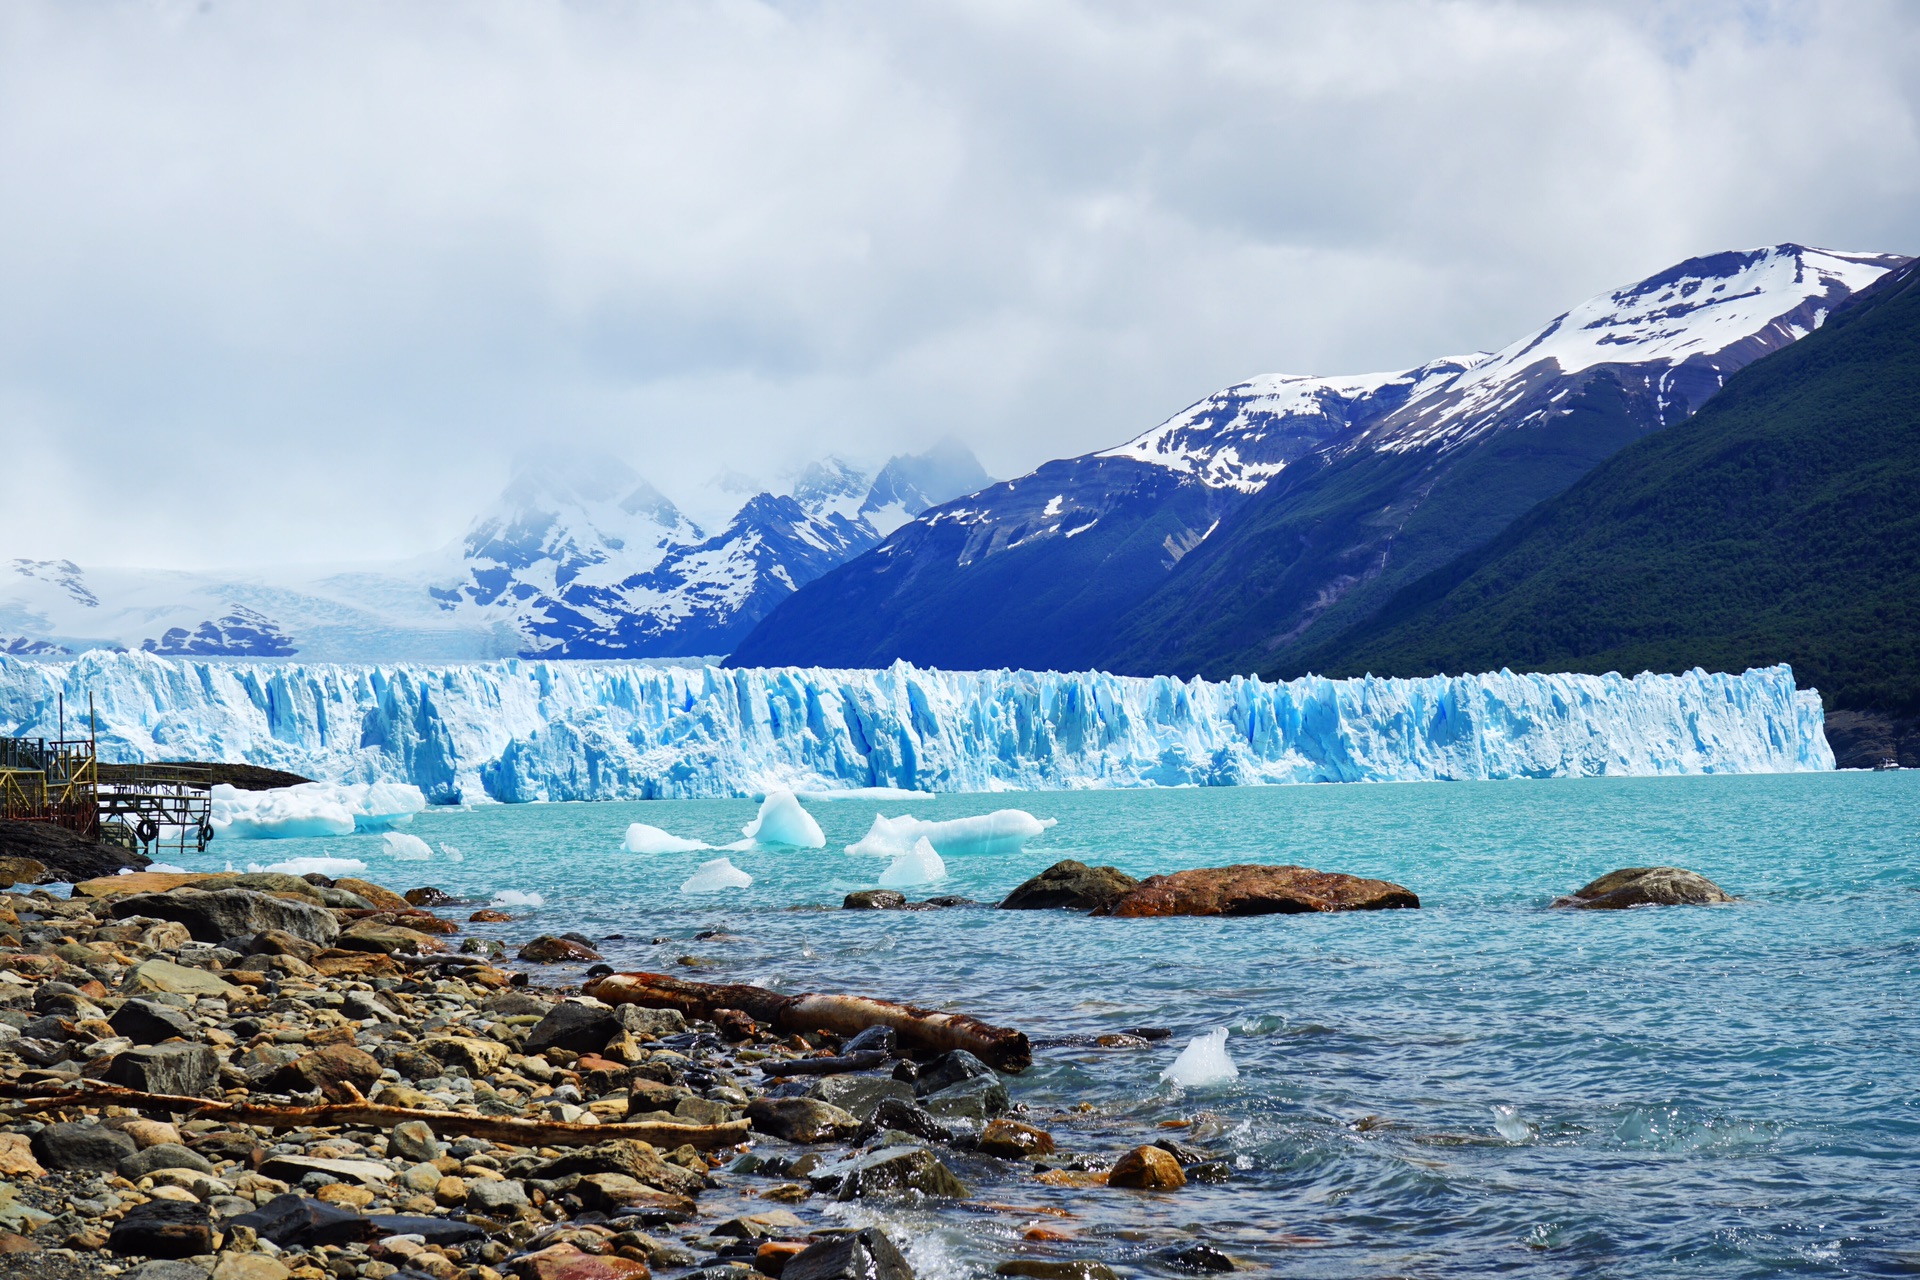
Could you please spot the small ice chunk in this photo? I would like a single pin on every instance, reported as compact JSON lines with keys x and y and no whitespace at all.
{"x":310,"y":866}
{"x":167,"y":868}
{"x":1508,"y":1124}
{"x":782,"y":821}
{"x":1203,"y":1062}
{"x":918,"y":865}
{"x":983,"y":835}
{"x":516,"y":898}
{"x":398,"y":844}
{"x":715,"y":876}
{"x":642,"y":838}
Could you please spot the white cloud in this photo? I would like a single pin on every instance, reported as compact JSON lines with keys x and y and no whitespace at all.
{"x":297,"y":279}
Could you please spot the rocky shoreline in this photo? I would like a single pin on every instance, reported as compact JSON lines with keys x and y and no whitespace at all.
{"x":309,"y":1014}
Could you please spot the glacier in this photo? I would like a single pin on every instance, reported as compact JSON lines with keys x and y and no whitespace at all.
{"x":525,"y":730}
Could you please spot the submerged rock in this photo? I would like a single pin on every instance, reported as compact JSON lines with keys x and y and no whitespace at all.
{"x":1645,"y":887}
{"x":890,"y":1171}
{"x":1250,"y":889}
{"x":547,"y":949}
{"x":864,"y":1255}
{"x":1071,"y":885}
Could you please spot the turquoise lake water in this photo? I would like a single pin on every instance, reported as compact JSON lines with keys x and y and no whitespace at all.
{"x":1729,"y":1091}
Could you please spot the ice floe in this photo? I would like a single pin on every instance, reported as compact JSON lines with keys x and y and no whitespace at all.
{"x":312,"y":809}
{"x":783,"y":822}
{"x":406,"y":848}
{"x":716,"y":875}
{"x":915,"y":866}
{"x":1002,"y":831}
{"x":642,"y":838}
{"x":516,"y":898}
{"x":1203,"y":1062}
{"x":310,"y":866}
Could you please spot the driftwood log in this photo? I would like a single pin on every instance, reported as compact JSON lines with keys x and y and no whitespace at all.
{"x":511,"y":1130}
{"x":1000,"y":1047}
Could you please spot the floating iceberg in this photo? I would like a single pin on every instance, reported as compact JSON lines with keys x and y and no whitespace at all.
{"x":406,"y":848}
{"x":783,"y":822}
{"x":715,"y":876}
{"x":915,"y":866}
{"x":519,"y":730}
{"x":312,"y":809}
{"x":1508,"y":1124}
{"x":311,"y":866}
{"x":642,"y":838}
{"x":1203,"y":1062}
{"x":1002,"y":831}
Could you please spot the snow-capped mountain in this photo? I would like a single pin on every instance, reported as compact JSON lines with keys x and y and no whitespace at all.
{"x":574,"y":559}
{"x":1286,"y":503}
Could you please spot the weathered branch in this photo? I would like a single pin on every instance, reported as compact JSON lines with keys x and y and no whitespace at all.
{"x":369,"y":1115}
{"x":1001,"y":1047}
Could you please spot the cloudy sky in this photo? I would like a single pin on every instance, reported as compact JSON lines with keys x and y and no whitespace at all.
{"x":289,"y":280}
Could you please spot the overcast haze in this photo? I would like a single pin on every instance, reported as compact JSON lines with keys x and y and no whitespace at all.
{"x":290,"y":281}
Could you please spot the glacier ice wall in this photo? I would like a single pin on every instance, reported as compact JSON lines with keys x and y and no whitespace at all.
{"x":526,"y":730}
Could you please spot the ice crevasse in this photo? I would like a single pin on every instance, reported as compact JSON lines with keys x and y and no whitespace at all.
{"x":524,"y":730}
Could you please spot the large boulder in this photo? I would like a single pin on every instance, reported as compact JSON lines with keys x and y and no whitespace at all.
{"x":890,"y":1171}
{"x":859,"y":1096}
{"x":582,"y":1028}
{"x":82,"y":1146}
{"x":163,"y":1229}
{"x":802,"y":1119}
{"x":1250,"y":889}
{"x":212,"y":915}
{"x":144,"y":1022}
{"x":1646,"y":887}
{"x":177,"y":1067}
{"x":166,"y":977}
{"x":340,"y":1072}
{"x":864,"y":1255}
{"x":1071,"y":885}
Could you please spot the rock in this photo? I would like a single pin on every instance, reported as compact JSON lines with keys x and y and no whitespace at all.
{"x":1249,"y":889}
{"x":421,"y":1178}
{"x":905,"y":1117}
{"x":583,"y":1028}
{"x":1147,"y":1169}
{"x":502,"y":1200}
{"x":382,"y":899}
{"x":1071,"y":885}
{"x":1011,"y":1140}
{"x":212,"y":915}
{"x":864,"y":1255}
{"x":625,"y":1156}
{"x":434,"y":1231}
{"x":340,"y":1072}
{"x":566,"y":1262}
{"x":978,"y":1098}
{"x":186,"y":1070}
{"x":859,"y":1095}
{"x":414,"y":1140}
{"x":249,"y":1266}
{"x":1644,"y":887}
{"x":425,"y":896}
{"x":81,"y":1146}
{"x":150,"y":1133}
{"x":292,"y":1220}
{"x":1057,"y":1269}
{"x":163,"y":1229}
{"x":169,"y":978}
{"x":801,"y":1120}
{"x":873,"y":1040}
{"x":144,"y":1022}
{"x":21,"y":871}
{"x":775,"y":1224}
{"x":278,"y":942}
{"x":488,"y":915}
{"x":16,"y":1157}
{"x":890,"y":1171}
{"x":387,"y":939}
{"x":875,"y":900}
{"x":119,"y":886}
{"x":1198,"y":1257}
{"x":950,"y":1069}
{"x":166,"y":1269}
{"x":164,"y":1155}
{"x":515,"y":1004}
{"x":547,"y":949}
{"x":656,"y":1023}
{"x":345,"y":1196}
{"x":479,"y":1058}
{"x":611,"y":1191}
{"x":292,"y":1168}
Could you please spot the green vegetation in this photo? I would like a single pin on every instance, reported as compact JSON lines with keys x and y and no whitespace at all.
{"x":1780,"y":524}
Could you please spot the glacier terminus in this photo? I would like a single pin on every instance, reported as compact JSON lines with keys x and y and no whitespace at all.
{"x":524,"y":730}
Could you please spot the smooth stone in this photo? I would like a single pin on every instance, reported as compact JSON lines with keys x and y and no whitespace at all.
{"x":863,"y":1255}
{"x":502,"y":1199}
{"x":875,"y":900}
{"x":890,"y":1171}
{"x":166,"y":1269}
{"x":166,"y":977}
{"x":1056,"y":1269}
{"x":567,"y":1262}
{"x":1011,"y":1140}
{"x":547,"y":949}
{"x":860,"y":1096}
{"x":1251,"y":889}
{"x":950,"y":1069}
{"x":249,"y":1266}
{"x":82,"y":1146}
{"x":164,"y":1155}
{"x":290,"y":1168}
{"x":414,"y":1140}
{"x":1072,"y":886}
{"x":802,"y":1120}
{"x":1199,"y":1257}
{"x":582,"y":1028}
{"x":1147,"y":1169}
{"x":144,"y":1022}
{"x":1646,"y":887}
{"x":657,"y":1023}
{"x":290,"y":1220}
{"x":213,"y":915}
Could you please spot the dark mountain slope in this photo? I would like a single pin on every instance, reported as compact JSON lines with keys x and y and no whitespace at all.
{"x":1779,"y":525}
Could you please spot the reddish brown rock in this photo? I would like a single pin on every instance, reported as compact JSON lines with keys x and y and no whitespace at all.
{"x":547,"y":949}
{"x":565,"y":1262}
{"x":1646,"y":887}
{"x":1249,"y":889}
{"x":1147,"y":1169}
{"x":487,"y":915}
{"x":340,"y":1072}
{"x":1011,"y":1140}
{"x":385,"y":899}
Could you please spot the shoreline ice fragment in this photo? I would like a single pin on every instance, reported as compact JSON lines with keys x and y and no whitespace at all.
{"x":1203,"y":1062}
{"x":642,"y":838}
{"x":312,"y":810}
{"x":309,"y":866}
{"x":982,"y":835}
{"x":516,"y":898}
{"x":918,"y":865}
{"x":783,"y":822}
{"x":405,"y":848}
{"x":711,"y":877}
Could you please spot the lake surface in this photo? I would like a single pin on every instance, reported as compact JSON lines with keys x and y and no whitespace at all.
{"x":1729,"y":1091}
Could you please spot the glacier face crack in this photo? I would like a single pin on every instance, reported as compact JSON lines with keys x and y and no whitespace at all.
{"x":530,"y":730}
